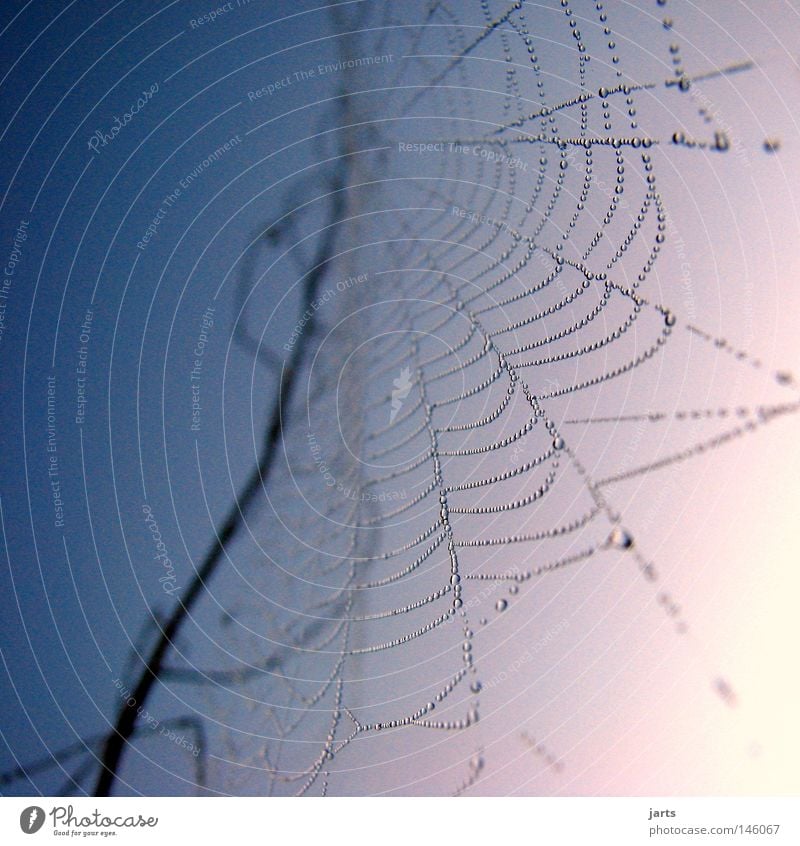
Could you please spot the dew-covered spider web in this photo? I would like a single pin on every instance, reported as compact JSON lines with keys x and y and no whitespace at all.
{"x":483,"y":547}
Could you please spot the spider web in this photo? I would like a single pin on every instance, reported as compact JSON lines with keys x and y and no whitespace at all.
{"x":481,"y":413}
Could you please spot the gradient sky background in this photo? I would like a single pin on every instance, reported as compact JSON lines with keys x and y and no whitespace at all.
{"x":624,"y":702}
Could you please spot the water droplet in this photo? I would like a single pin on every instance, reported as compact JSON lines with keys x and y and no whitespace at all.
{"x":620,"y":538}
{"x":476,"y":686}
{"x":476,"y":763}
{"x":558,"y":442}
{"x":772,"y":145}
{"x":669,"y":318}
{"x":501,"y":605}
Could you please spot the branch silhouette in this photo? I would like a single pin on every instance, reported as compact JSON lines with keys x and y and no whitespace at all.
{"x":125,"y":723}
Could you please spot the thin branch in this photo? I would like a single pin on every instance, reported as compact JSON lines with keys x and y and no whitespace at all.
{"x":117,"y":739}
